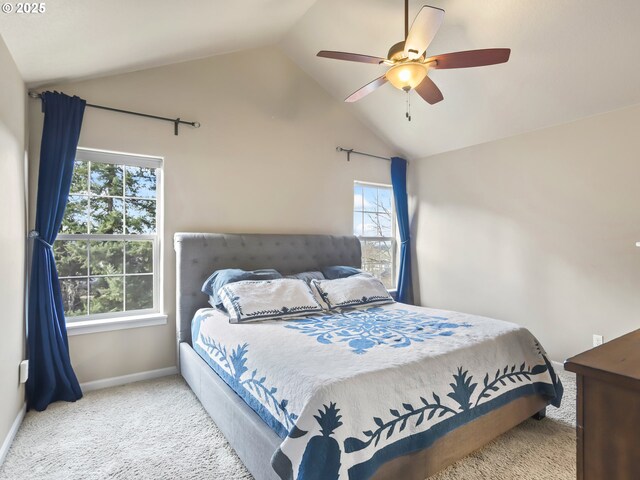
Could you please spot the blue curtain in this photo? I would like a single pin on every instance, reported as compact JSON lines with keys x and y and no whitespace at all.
{"x":51,"y":376}
{"x":399,"y":182}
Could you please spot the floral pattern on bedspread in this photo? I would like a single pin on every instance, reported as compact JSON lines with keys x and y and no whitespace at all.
{"x":366,"y":328}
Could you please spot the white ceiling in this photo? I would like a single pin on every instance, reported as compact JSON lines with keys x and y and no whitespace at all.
{"x":570,"y":58}
{"x":85,"y":38}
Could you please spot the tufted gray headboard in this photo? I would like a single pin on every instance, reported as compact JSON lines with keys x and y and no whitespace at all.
{"x":198,"y":255}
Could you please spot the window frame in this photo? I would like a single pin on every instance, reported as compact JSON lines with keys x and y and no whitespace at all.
{"x":394,"y":235}
{"x":91,"y":323}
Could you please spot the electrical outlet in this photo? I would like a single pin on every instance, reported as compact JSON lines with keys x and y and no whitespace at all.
{"x":24,"y":371}
{"x":598,"y":340}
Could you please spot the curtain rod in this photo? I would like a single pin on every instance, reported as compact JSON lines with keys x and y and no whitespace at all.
{"x":176,"y":121}
{"x":349,"y":151}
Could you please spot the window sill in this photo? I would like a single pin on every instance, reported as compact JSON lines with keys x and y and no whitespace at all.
{"x":110,"y":324}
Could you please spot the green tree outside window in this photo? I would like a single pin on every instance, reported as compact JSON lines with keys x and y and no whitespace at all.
{"x":107,"y":242}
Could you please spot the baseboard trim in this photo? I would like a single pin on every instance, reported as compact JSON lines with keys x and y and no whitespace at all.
{"x":124,"y":379}
{"x":8,"y":440}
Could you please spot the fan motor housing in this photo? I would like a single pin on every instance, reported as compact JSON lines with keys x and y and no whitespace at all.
{"x":396,"y":52}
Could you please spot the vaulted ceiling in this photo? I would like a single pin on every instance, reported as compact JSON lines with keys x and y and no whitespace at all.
{"x":570,"y":59}
{"x":76,"y":39}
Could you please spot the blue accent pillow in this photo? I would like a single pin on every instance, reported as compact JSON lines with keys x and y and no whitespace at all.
{"x":220,"y":278}
{"x":339,"y":271}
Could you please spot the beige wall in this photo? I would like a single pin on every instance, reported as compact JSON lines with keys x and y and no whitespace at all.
{"x":264,"y":160}
{"x":538,"y":229}
{"x":12,"y":237}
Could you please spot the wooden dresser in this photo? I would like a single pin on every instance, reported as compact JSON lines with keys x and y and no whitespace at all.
{"x":608,"y":410}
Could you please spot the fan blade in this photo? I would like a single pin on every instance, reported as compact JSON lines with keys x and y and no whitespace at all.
{"x":471,"y":58}
{"x":429,"y":91}
{"x":366,"y":90}
{"x":351,"y":57}
{"x":422,"y":31}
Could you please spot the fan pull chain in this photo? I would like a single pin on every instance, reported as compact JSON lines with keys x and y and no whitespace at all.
{"x":408,"y":114}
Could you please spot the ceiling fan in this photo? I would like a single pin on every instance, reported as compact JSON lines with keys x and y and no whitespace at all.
{"x":408,"y":64}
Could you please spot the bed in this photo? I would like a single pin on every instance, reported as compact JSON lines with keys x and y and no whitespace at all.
{"x":337,"y":395}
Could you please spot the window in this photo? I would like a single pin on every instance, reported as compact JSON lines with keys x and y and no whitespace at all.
{"x":374,"y":222}
{"x":107,"y":251}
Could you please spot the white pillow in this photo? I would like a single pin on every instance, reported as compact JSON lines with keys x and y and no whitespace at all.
{"x":252,"y":300}
{"x":360,"y":289}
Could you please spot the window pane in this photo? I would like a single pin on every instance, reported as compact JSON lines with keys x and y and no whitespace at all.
{"x":378,"y":220}
{"x":141,"y":182}
{"x":141,"y":216}
{"x":385,"y":251}
{"x":370,"y":198}
{"x":371,"y":227}
{"x":106,"y":294}
{"x":76,"y":215}
{"x":106,"y":215}
{"x":384,"y":200}
{"x":382,"y":271}
{"x":377,"y":259}
{"x":376,"y":252}
{"x":71,"y":258}
{"x":80,"y":179}
{"x":104,"y":276}
{"x":74,"y":296}
{"x":106,"y":257}
{"x":384,"y":221}
{"x":140,"y":257}
{"x":139,"y":292}
{"x":386,"y":276}
{"x":357,"y":223}
{"x":106,"y":179}
{"x":357,"y":197}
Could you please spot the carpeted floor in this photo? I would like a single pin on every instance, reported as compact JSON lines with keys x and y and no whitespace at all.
{"x":158,"y":430}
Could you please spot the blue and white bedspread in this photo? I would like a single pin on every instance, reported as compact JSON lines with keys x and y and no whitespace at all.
{"x":349,"y":391}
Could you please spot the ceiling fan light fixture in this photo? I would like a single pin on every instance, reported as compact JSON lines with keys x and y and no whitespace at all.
{"x":406,"y":76}
{"x":409,"y":64}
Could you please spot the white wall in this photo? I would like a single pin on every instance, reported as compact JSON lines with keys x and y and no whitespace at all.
{"x":264,"y":160}
{"x":538,"y":229}
{"x":12,"y":237}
